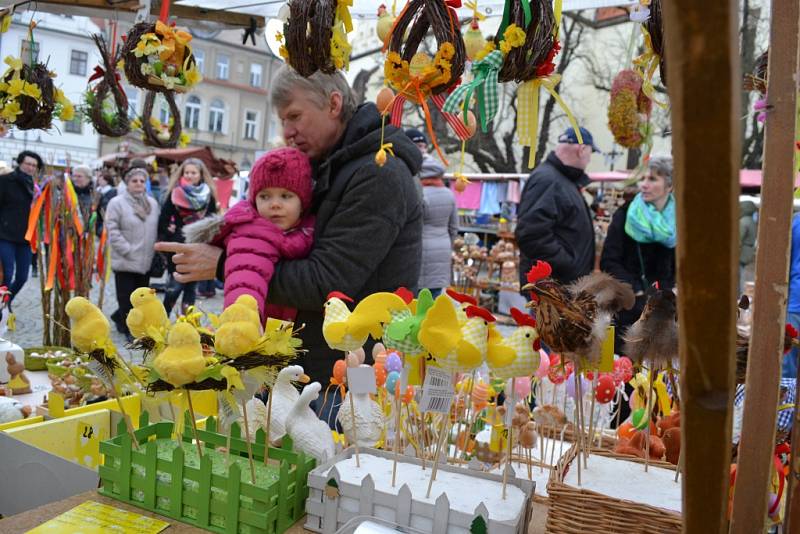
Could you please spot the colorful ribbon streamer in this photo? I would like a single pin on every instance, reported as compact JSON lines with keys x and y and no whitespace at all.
{"x":484,"y":85}
{"x":646,"y":65}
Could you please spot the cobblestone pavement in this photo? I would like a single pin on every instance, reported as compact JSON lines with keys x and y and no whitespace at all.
{"x":28,"y":310}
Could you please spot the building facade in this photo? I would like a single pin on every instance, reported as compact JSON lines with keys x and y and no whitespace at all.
{"x":64,"y":44}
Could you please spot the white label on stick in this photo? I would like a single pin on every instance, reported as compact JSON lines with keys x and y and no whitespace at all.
{"x":361,"y":380}
{"x":437,"y":391}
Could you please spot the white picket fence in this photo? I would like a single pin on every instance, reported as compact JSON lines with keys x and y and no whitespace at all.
{"x":326,"y":515}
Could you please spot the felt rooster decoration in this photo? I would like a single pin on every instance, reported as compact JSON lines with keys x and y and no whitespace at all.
{"x":182,"y":361}
{"x":147,"y":312}
{"x":464,"y":301}
{"x":347,"y":331}
{"x":89,"y":327}
{"x":518,"y":354}
{"x":239,"y":329}
{"x":574,"y":320}
{"x":454,"y":346}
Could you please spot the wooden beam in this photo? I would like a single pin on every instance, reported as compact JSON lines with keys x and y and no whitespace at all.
{"x":703,"y":71}
{"x":772,"y":265}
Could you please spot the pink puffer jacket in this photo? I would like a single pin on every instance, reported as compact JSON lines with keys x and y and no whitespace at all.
{"x":254,"y":245}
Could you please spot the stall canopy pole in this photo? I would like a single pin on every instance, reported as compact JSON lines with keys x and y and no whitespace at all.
{"x":703,"y":74}
{"x":772,"y":264}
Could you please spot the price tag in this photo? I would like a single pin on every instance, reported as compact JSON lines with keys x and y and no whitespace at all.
{"x":228,"y":411}
{"x":361,"y":380}
{"x":87,"y":445}
{"x":437,"y":391}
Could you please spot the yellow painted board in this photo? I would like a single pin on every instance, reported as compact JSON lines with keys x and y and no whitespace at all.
{"x":93,"y":517}
{"x":132,"y":404}
{"x":21,"y":422}
{"x":75,"y":438}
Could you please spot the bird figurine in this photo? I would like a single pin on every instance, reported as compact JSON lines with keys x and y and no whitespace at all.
{"x":369,"y":418}
{"x":402,"y":332}
{"x":518,"y":354}
{"x":309,"y":434}
{"x":89,"y":328}
{"x":573,"y":321}
{"x":385,"y":23}
{"x":345,"y":330}
{"x":655,"y":334}
{"x":239,"y":329}
{"x":148,"y":311}
{"x":182,"y":361}
{"x":474,"y":40}
{"x":464,"y":301}
{"x":284,"y":396}
{"x":453,"y":346}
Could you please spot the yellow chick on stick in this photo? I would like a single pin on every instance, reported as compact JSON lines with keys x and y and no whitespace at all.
{"x":147,"y":311}
{"x":454,"y":346}
{"x":239,"y":329}
{"x":518,"y":354}
{"x":89,"y":327}
{"x":347,"y":331}
{"x":182,"y":361}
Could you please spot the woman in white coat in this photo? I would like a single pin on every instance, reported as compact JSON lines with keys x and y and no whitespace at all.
{"x":131,"y":221}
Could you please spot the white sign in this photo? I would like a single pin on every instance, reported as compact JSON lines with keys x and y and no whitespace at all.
{"x":437,"y":391}
{"x":361,"y":380}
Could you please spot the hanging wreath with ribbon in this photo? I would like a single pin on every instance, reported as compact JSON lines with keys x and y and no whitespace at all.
{"x":112,"y":123}
{"x":629,"y":110}
{"x":316,"y":36}
{"x":416,"y":76}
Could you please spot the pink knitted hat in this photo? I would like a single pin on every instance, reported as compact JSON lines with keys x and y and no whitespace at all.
{"x":283,"y":167}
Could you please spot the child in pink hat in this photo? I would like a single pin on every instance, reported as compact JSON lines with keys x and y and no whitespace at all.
{"x":272,"y":225}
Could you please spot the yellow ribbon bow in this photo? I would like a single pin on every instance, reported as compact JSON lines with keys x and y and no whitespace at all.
{"x":174,"y":43}
{"x":343,"y":14}
{"x":528,"y":112}
{"x":646,"y":65}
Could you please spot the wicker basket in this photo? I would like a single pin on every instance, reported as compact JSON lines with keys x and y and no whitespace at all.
{"x":576,"y":510}
{"x":133,"y":64}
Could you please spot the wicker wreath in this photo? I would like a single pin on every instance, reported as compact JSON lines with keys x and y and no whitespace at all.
{"x":629,"y":109}
{"x":150,"y":134}
{"x":535,"y":57}
{"x":35,"y":114}
{"x":133,"y":64}
{"x":757,"y":81}
{"x":421,"y":15}
{"x":308,"y":36}
{"x":655,"y":27}
{"x":120,"y":124}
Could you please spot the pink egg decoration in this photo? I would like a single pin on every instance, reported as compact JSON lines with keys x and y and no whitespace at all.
{"x":623,"y":370}
{"x":522,"y":387}
{"x":544,"y":364}
{"x":606,"y":389}
{"x":393,"y":362}
{"x":352,"y":360}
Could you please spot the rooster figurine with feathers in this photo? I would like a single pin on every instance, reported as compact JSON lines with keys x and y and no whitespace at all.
{"x":573,"y":320}
{"x":655,"y":334}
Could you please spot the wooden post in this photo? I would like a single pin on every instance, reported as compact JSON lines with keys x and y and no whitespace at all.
{"x":772,"y":263}
{"x":704,"y":86}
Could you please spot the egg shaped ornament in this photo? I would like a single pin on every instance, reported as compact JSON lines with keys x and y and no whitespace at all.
{"x":625,"y":430}
{"x":380,"y":374}
{"x":522,"y":387}
{"x":623,"y":370}
{"x":474,"y":41}
{"x":639,"y":419}
{"x":471,"y":122}
{"x":544,"y":364}
{"x":394,"y":362}
{"x":384,"y":25}
{"x":340,"y":371}
{"x":384,"y":101}
{"x":557,"y":373}
{"x":606,"y":389}
{"x":460,"y":186}
{"x":391,"y":381}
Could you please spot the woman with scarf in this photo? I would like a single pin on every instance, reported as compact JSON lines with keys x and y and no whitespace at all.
{"x":189,"y":197}
{"x":131,"y":222}
{"x":640,"y":244}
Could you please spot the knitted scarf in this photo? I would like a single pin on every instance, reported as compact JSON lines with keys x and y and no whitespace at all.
{"x":645,"y":224}
{"x":191,"y":200}
{"x":140,"y":204}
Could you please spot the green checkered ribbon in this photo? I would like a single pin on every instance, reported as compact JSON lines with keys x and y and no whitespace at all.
{"x":484,"y":85}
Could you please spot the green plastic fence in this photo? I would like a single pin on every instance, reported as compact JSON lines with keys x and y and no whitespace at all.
{"x":211,"y":495}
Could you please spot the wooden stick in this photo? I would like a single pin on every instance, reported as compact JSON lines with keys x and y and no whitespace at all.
{"x":439,"y":445}
{"x":249,"y":445}
{"x":128,"y":423}
{"x":591,"y":414}
{"x":578,"y":426}
{"x":267,"y":441}
{"x":649,"y":405}
{"x":678,"y":467}
{"x":619,"y":405}
{"x":355,"y":434}
{"x":542,"y":451}
{"x":396,"y":438}
{"x":194,"y":423}
{"x":530,"y":469}
{"x":510,"y":414}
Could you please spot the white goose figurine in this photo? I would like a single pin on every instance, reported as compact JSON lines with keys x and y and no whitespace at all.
{"x":284,"y":397}
{"x":310,"y":434}
{"x":369,"y":419}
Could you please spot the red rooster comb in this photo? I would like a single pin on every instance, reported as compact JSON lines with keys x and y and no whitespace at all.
{"x":338,"y":295}
{"x":461,"y":297}
{"x":791,"y":331}
{"x":539,"y":271}
{"x":404,"y":294}
{"x":522,"y":319}
{"x":475,"y":311}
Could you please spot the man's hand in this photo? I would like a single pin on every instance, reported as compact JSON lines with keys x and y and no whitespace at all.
{"x":194,"y":261}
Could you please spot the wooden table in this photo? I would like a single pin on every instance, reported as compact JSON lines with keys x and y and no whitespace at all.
{"x":21,"y":523}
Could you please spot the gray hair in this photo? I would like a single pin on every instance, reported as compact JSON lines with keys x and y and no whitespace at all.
{"x":134,"y":171}
{"x":84,"y":170}
{"x":661,"y":165}
{"x":320,"y":87}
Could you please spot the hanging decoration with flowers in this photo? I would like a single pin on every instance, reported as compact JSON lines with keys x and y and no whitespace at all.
{"x":649,"y":14}
{"x":414,"y":75}
{"x":528,"y":39}
{"x":28,"y":98}
{"x":629,"y":111}
{"x":316,"y":36}
{"x":156,"y":133}
{"x":105,"y":102}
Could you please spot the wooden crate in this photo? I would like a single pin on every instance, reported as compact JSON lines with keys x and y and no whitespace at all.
{"x":221,"y":503}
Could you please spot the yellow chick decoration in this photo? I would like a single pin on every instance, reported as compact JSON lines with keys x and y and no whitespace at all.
{"x":385,"y":23}
{"x":147,"y":311}
{"x":239,"y":329}
{"x":453,"y":346}
{"x":182,"y":361}
{"x":89,"y":327}
{"x":474,"y":41}
{"x":518,"y":354}
{"x":346,"y":331}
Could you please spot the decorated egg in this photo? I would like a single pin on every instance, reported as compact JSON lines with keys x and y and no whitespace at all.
{"x":625,"y":430}
{"x":391,"y":381}
{"x":623,"y":370}
{"x":393,"y":362}
{"x":639,"y":419}
{"x":384,"y":100}
{"x":605,"y":389}
{"x":340,"y":371}
{"x":380,"y":374}
{"x":471,"y":123}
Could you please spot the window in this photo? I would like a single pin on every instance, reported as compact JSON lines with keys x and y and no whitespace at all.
{"x":255,"y":75}
{"x":74,"y":126}
{"x":250,"y":124}
{"x":163,"y":109}
{"x":77,"y":63}
{"x":29,"y":49}
{"x":216,"y":116}
{"x":199,"y":59}
{"x":192,"y":113}
{"x":222,"y":67}
{"x":133,"y":101}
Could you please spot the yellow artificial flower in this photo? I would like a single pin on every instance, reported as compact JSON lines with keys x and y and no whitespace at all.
{"x":184,"y":140}
{"x":3,"y":86}
{"x":487,"y":49}
{"x":136,"y":124}
{"x":193,"y":77}
{"x":284,"y":52}
{"x":340,"y":48}
{"x":5,"y":24}
{"x":447,"y":50}
{"x":514,"y":35}
{"x":279,"y":36}
{"x":14,"y":62}
{"x":32,"y":90}
{"x":10,"y":111}
{"x":16,"y":86}
{"x":67,"y":112}
{"x":505,"y":47}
